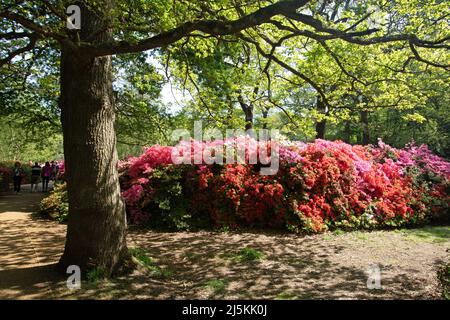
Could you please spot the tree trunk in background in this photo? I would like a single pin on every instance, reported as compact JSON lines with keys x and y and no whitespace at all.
{"x":365,"y":127}
{"x":248,"y":118}
{"x":320,"y":125}
{"x":347,"y":132}
{"x":248,"y":112}
{"x":97,"y":221}
{"x":265,"y":113}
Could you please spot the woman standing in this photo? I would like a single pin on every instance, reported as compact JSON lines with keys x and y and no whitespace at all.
{"x":46,"y":174}
{"x":17,"y":177}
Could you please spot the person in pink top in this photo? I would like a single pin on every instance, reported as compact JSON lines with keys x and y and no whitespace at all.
{"x":46,"y":174}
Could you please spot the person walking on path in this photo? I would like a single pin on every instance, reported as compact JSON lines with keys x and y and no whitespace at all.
{"x":35,"y":174}
{"x":46,"y":175}
{"x":17,"y":177}
{"x":55,"y":170}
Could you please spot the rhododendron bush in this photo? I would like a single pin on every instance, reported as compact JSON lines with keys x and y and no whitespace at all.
{"x":318,"y":186}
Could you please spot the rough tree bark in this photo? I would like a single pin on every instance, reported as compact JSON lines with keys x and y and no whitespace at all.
{"x":97,"y":220}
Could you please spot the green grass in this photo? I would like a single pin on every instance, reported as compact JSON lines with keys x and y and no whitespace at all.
{"x":155,"y":270}
{"x":249,"y":254}
{"x":333,"y":234}
{"x":431,"y":234}
{"x":96,"y":275}
{"x":216,"y":285}
{"x":245,"y":255}
{"x":361,"y":235}
{"x":338,"y":232}
{"x":224,"y":229}
{"x":192,"y":255}
{"x":286,"y":296}
{"x":140,"y":254}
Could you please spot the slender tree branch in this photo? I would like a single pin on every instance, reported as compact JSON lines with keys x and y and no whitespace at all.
{"x":14,"y":35}
{"x":287,"y":67}
{"x":31,"y":44}
{"x":419,"y":58}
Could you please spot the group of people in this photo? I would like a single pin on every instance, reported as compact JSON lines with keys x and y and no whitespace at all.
{"x":49,"y":171}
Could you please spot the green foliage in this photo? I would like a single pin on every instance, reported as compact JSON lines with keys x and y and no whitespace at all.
{"x":169,"y":206}
{"x":286,"y":295}
{"x":56,"y":204}
{"x":249,"y":254}
{"x":400,"y":92}
{"x":22,"y":143}
{"x":216,"y":285}
{"x":142,"y":119}
{"x":431,"y":234}
{"x":224,"y":229}
{"x":404,"y":91}
{"x":142,"y":256}
{"x":97,"y":274}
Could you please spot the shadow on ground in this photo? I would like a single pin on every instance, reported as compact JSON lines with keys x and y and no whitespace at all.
{"x":203,"y":265}
{"x":207,"y":265}
{"x":29,"y":283}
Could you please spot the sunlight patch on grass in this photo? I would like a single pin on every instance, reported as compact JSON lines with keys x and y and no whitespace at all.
{"x":430,"y":234}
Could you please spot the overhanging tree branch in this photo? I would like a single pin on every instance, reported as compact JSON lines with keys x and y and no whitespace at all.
{"x":212,"y":27}
{"x":42,"y":31}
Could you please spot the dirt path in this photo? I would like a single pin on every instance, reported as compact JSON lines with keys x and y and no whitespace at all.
{"x":205,"y":265}
{"x":28,"y":247}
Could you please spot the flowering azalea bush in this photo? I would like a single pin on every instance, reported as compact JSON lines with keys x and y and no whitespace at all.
{"x":56,"y":204}
{"x":318,"y":186}
{"x":5,"y":177}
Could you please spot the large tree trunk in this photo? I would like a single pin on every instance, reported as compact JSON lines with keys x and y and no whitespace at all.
{"x":365,"y":127}
{"x":320,"y":125}
{"x":97,"y":222}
